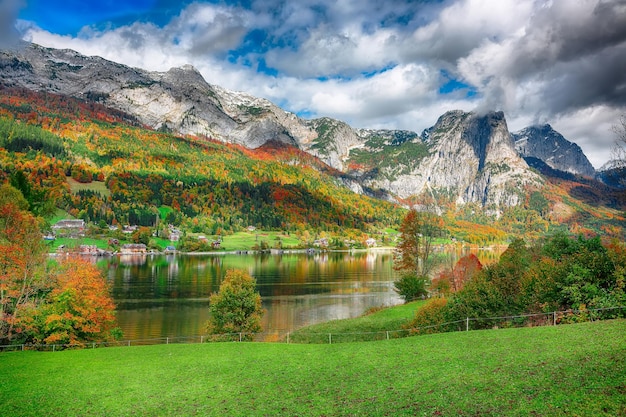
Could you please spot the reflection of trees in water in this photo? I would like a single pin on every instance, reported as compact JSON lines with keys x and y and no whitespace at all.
{"x":170,"y":293}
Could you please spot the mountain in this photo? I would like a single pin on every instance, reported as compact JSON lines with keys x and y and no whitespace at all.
{"x":464,"y":158}
{"x":613,"y":173}
{"x":178,"y":101}
{"x":545,"y":143}
{"x":215,"y":160}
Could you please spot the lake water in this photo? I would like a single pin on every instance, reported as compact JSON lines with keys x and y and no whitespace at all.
{"x":167,"y":295}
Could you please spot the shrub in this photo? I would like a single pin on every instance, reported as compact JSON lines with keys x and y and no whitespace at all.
{"x":430,"y":317}
{"x":411,"y":287}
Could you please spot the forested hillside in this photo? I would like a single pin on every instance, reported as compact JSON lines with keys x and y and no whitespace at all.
{"x":132,"y":175}
{"x":214,"y":187}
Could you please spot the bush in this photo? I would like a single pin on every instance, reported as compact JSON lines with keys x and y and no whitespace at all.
{"x":411,"y":287}
{"x":430,"y":317}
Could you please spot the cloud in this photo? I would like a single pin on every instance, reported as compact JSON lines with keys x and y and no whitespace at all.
{"x":9,"y":9}
{"x":568,"y":54}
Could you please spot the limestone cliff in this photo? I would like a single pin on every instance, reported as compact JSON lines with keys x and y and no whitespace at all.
{"x":545,"y":143}
{"x":464,"y":158}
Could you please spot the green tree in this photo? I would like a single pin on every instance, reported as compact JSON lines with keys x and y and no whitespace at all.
{"x":236,"y":308}
{"x":411,"y":287}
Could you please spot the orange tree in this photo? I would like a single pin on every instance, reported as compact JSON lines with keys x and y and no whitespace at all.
{"x":79,"y":308}
{"x":39,"y":303}
{"x":23,"y":279}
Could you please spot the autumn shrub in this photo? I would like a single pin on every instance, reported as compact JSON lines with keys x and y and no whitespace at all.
{"x":430,"y":317}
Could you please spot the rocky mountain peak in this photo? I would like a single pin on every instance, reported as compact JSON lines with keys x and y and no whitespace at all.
{"x":470,"y":158}
{"x":464,"y":158}
{"x":545,"y":143}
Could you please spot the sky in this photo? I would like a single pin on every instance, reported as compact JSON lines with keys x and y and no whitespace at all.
{"x":374,"y":64}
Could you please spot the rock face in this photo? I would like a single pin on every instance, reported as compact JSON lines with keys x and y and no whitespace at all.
{"x":178,"y":100}
{"x":464,"y":158}
{"x":613,"y":173}
{"x":470,"y":159}
{"x":545,"y":143}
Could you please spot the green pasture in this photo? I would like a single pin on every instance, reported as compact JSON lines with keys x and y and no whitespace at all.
{"x":375,"y":322}
{"x":249,"y":240}
{"x":569,"y":370}
{"x":97,"y":186}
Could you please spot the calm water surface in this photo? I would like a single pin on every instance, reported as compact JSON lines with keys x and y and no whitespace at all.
{"x":167,"y":295}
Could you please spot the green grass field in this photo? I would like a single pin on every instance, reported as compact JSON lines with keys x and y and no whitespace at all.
{"x":249,"y":240}
{"x":97,"y":186}
{"x":570,"y":370}
{"x":356,"y":329}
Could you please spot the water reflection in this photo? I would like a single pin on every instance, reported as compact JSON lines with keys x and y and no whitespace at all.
{"x":167,"y":295}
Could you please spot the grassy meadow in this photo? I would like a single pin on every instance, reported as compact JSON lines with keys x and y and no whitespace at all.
{"x":570,"y":370}
{"x":357,"y":329}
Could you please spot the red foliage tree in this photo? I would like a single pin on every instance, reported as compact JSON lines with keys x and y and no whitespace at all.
{"x":463,"y":271}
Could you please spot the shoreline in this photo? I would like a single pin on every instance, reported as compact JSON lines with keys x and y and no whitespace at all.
{"x":229,"y":252}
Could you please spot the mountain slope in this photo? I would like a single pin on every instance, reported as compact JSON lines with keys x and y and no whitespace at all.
{"x":465,"y":163}
{"x":180,"y":101}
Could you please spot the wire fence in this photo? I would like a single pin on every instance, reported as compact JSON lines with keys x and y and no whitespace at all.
{"x":302,"y":336}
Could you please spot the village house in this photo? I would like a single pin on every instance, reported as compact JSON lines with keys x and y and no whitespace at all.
{"x":322,"y":243}
{"x":371,"y":242}
{"x":88,"y":250}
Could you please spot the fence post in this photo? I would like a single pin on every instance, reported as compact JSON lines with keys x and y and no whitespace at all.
{"x":93,"y":345}
{"x":128,"y":342}
{"x":554,"y":316}
{"x":167,"y":340}
{"x":240,"y":337}
{"x":287,"y":337}
{"x":54,"y":347}
{"x":387,"y":334}
{"x":330,"y":338}
{"x":22,"y":347}
{"x":467,"y":324}
{"x":201,"y":339}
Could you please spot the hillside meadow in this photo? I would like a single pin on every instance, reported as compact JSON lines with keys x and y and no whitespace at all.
{"x":570,"y":370}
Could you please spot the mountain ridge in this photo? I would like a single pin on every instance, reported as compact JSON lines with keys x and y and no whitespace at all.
{"x":464,"y":158}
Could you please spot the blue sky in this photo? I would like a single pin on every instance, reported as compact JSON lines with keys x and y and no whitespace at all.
{"x":376,"y":64}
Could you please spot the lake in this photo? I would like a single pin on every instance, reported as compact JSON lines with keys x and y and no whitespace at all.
{"x":167,"y":295}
